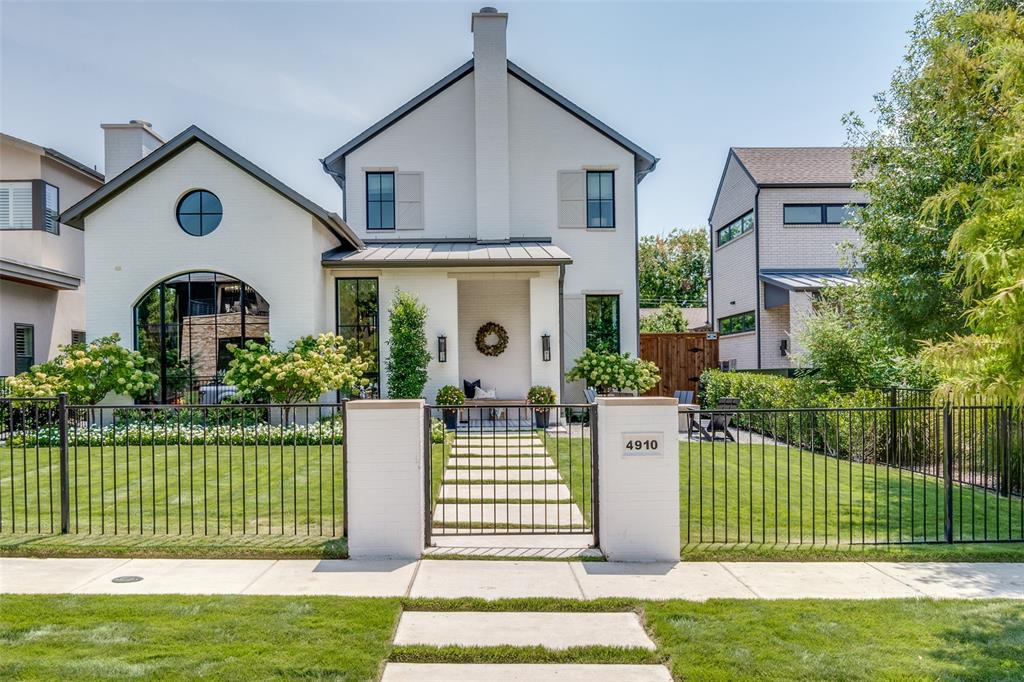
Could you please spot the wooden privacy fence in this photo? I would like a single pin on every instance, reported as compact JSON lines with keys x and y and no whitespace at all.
{"x":680,"y":357}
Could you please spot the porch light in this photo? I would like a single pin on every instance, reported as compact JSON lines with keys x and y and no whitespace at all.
{"x":442,"y":348}
{"x":545,"y":347}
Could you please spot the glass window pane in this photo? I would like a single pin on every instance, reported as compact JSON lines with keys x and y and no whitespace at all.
{"x":387,"y":186}
{"x":606,"y":185}
{"x":387,"y":215}
{"x":210,"y":222}
{"x":607,"y":219}
{"x":191,"y":203}
{"x":748,"y":222}
{"x":802,"y":215}
{"x":602,"y":315}
{"x":373,"y":186}
{"x":191,"y":223}
{"x":347,"y":310}
{"x":373,"y":219}
{"x":593,"y":186}
{"x":840,"y":214}
{"x":211,"y":204}
{"x":593,"y":214}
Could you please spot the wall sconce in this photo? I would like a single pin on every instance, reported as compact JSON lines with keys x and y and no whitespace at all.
{"x":784,"y":347}
{"x":442,"y":348}
{"x":545,"y":347}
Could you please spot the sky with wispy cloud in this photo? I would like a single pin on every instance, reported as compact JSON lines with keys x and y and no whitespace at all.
{"x":286,"y":83}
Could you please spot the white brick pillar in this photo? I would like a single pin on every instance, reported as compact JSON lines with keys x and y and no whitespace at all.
{"x":638,"y":452}
{"x":384,"y":485}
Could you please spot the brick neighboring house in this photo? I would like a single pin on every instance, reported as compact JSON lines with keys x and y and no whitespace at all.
{"x":776,"y":230}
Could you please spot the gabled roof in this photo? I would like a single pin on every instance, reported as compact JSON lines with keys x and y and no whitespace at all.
{"x":75,"y":216}
{"x":448,"y":253}
{"x":54,"y":154}
{"x":798,"y":166}
{"x":644,"y":161}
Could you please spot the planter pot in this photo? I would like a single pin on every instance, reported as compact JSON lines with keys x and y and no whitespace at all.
{"x":451,"y":419}
{"x":542,"y":418}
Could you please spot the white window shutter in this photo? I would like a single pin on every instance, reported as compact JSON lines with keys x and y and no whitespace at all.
{"x":16,"y":205}
{"x":572,"y":198}
{"x":409,"y":201}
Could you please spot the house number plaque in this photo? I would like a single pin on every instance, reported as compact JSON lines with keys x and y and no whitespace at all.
{"x":642,"y":444}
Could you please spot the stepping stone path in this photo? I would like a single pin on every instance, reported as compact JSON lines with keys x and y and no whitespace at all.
{"x":555,"y":631}
{"x":503,"y":481}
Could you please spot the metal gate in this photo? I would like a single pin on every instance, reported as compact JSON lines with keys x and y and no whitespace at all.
{"x":506,"y":468}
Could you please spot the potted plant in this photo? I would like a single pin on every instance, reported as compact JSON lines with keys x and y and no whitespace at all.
{"x":450,"y":395}
{"x":541,"y":395}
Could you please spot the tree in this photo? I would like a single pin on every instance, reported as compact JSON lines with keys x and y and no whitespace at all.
{"x":979,"y":63}
{"x":310,"y":367}
{"x":674,"y":268}
{"x":408,"y":356}
{"x":912,"y":154}
{"x":87,"y":373}
{"x":668,"y":319}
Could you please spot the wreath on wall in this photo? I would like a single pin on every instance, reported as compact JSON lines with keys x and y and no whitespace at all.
{"x":491,"y":349}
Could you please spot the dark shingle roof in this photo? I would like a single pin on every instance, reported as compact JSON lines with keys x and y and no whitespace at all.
{"x":802,"y":166}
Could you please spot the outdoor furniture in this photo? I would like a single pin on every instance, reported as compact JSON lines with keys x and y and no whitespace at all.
{"x":684,"y":397}
{"x":591,"y":395}
{"x":717,"y":421}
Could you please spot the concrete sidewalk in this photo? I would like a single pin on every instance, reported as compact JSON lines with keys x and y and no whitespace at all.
{"x":511,"y":579}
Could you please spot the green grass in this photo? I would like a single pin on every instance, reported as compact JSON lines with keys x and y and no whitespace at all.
{"x":249,"y":637}
{"x":764,"y":496}
{"x":847,"y":640}
{"x":174,"y":546}
{"x":177,"y":489}
{"x":573,"y":459}
{"x":174,"y":637}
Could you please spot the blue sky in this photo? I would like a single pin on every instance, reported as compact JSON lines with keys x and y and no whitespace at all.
{"x":285,"y":84}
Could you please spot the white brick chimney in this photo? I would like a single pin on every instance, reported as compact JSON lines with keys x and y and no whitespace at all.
{"x":490,"y":75}
{"x":126,"y":143}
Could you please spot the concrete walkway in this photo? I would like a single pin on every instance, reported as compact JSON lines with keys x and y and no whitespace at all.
{"x":696,"y":581}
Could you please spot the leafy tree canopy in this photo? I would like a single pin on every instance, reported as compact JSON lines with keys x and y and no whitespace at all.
{"x":674,"y":268}
{"x":668,"y":319}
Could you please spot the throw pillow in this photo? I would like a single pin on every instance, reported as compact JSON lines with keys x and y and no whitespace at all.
{"x":469,"y":387}
{"x":483,"y":393}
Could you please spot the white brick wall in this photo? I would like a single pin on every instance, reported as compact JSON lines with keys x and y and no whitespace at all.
{"x":384,"y":485}
{"x":774,"y":328}
{"x":639,"y":494}
{"x":802,"y":246}
{"x":506,"y":302}
{"x":739,"y":347}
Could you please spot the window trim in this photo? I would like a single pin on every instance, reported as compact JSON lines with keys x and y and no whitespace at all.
{"x":394,"y":199}
{"x":618,"y":319}
{"x":738,"y":219}
{"x":823,"y":215}
{"x":376,"y":319}
{"x":32,"y":358}
{"x":586,"y":198}
{"x":752,"y":328}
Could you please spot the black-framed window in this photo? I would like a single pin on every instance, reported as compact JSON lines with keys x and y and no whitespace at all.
{"x":24,"y":347}
{"x":603,"y":326}
{"x":357,"y":305}
{"x":77,"y":337}
{"x":600,"y":199}
{"x":380,"y":201}
{"x":199,"y":212}
{"x":30,"y":205}
{"x":51,"y":208}
{"x":738,"y":227}
{"x":818,"y":214}
{"x":737,"y":324}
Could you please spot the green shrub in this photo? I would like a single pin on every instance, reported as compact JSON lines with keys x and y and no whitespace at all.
{"x":408,"y":355}
{"x":541,"y":395}
{"x":669,"y":319}
{"x":437,"y":431}
{"x":450,"y":395}
{"x":611,"y":371}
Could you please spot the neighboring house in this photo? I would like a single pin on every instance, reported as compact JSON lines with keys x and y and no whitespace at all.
{"x":777,"y":225}
{"x":488,"y":195}
{"x":42,"y":297}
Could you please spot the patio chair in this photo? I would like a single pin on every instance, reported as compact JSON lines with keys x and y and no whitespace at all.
{"x":684,"y":397}
{"x":591,"y":395}
{"x":717,"y":421}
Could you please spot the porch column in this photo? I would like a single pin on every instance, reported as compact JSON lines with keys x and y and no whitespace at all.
{"x":384,"y":478}
{"x":544,"y":321}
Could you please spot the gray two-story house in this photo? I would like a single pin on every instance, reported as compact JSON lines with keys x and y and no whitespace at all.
{"x":777,"y":225}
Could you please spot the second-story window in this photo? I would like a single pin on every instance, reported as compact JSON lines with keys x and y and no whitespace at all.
{"x":600,"y":199}
{"x":737,"y":228}
{"x":29,"y":205}
{"x":818,"y":214}
{"x":380,"y":201}
{"x":51,"y":209}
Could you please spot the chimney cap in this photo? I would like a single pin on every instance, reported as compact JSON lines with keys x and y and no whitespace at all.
{"x":488,"y":10}
{"x":139,"y":121}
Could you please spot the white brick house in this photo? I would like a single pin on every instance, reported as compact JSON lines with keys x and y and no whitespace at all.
{"x":776,"y":228}
{"x":488,"y":195}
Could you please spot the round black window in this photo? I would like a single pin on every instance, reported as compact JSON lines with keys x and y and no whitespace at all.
{"x":199,"y":212}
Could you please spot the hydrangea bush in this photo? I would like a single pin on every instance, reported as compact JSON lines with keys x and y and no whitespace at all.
{"x":87,"y":373}
{"x":326,"y":432}
{"x":614,"y":371}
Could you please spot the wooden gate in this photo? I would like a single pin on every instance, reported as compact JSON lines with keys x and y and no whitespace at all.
{"x":680,"y":357}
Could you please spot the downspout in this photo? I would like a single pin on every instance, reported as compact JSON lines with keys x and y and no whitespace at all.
{"x":340,"y":179}
{"x":757,"y":273}
{"x":636,"y":257}
{"x":561,"y":333}
{"x":711,"y":281}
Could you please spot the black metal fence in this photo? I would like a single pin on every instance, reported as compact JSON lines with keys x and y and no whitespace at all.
{"x":172,"y":470}
{"x":885,"y":475}
{"x":509,"y":468}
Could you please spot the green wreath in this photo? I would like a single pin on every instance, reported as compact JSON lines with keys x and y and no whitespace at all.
{"x":491,"y":349}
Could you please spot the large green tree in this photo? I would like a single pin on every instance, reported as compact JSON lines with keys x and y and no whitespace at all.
{"x":673,"y":268}
{"x":912,"y":154}
{"x":979,"y":64}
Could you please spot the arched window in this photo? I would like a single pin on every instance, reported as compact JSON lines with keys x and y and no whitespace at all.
{"x":186,"y":322}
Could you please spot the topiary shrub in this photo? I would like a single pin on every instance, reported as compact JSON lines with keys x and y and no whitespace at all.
{"x":407,"y":343}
